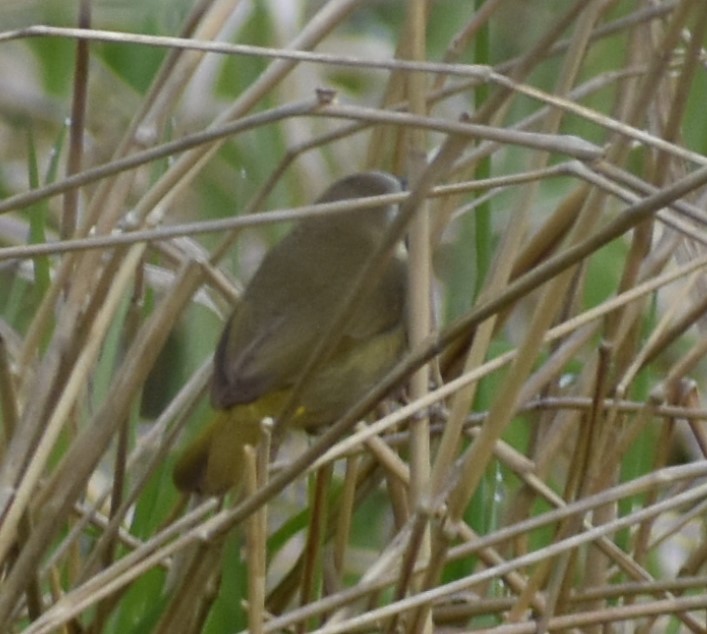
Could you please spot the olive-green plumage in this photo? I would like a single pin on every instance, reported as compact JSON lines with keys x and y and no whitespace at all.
{"x":286,"y":308}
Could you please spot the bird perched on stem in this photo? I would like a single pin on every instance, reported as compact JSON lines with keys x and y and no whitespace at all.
{"x":286,"y":308}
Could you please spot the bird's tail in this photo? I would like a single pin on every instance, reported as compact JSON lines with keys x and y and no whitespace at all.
{"x":214,"y":462}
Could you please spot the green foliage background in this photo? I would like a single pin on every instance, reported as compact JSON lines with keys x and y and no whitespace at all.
{"x":38,"y":84}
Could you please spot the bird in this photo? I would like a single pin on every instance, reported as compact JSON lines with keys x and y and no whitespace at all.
{"x":285,"y":309}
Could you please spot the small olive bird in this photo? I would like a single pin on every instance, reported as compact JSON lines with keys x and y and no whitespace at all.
{"x":286,"y":308}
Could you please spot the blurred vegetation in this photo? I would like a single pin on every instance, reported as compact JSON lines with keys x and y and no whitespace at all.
{"x":104,"y":352}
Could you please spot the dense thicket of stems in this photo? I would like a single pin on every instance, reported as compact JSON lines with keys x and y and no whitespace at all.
{"x":535,"y":462}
